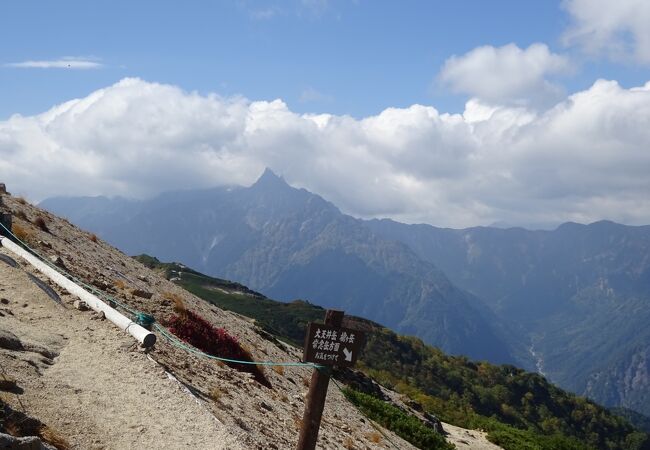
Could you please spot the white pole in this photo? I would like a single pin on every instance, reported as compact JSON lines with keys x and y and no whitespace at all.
{"x":144,"y":336}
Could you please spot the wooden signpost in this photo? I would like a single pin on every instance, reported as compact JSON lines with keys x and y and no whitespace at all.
{"x":328,"y":345}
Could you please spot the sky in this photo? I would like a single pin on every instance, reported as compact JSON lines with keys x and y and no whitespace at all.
{"x":455,"y":113}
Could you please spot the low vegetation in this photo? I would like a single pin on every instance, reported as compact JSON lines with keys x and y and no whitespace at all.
{"x":22,"y":233}
{"x":406,"y":426}
{"x":200,"y":333}
{"x":515,"y":406}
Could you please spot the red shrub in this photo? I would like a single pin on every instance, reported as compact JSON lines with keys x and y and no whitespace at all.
{"x":201,"y":334}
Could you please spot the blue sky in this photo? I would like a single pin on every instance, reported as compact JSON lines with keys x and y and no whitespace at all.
{"x":455,"y":113}
{"x":339,"y":56}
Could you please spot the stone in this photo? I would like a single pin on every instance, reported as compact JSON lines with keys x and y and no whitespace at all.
{"x":143,"y":278}
{"x":98,"y":316}
{"x":141,"y":293}
{"x":81,"y":305}
{"x":433,"y":422}
{"x":10,"y":341}
{"x":4,"y":301}
{"x":44,"y":244}
{"x":100,"y":284}
{"x":58,"y":261}
{"x":23,"y":443}
{"x":7,"y":383}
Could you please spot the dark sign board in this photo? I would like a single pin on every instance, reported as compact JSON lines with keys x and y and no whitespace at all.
{"x":332,"y":346}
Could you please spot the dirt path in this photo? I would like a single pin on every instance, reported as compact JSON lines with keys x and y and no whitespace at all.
{"x":468,"y":439}
{"x":100,"y":392}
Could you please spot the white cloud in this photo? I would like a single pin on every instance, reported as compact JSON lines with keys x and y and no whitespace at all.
{"x":507,"y":75}
{"x":584,"y":159}
{"x":619,"y":29}
{"x":68,"y":62}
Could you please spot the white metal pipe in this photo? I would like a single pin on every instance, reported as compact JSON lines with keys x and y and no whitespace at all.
{"x":144,"y":336}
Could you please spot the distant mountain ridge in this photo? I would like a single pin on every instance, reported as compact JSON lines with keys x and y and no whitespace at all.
{"x":289,"y":243}
{"x":573,"y":302}
{"x":582,"y":292}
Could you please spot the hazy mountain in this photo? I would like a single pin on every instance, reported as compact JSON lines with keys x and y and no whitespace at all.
{"x":581,"y":291}
{"x":576,"y":300}
{"x":289,"y":243}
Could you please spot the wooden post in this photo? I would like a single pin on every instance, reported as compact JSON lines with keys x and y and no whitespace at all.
{"x":315,"y":401}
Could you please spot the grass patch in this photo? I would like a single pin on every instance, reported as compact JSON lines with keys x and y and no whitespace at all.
{"x":22,"y":233}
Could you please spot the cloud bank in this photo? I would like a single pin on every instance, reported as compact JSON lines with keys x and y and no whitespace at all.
{"x":507,"y":75}
{"x":584,"y":159}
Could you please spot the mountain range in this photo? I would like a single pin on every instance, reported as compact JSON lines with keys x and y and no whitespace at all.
{"x":572,"y":303}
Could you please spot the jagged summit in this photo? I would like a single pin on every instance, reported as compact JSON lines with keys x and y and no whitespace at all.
{"x":270,"y":180}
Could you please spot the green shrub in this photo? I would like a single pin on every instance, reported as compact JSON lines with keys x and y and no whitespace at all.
{"x":405,"y":426}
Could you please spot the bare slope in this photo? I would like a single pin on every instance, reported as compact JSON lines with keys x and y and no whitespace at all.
{"x":99,"y":392}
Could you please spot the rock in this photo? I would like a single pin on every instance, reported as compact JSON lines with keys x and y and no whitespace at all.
{"x":4,"y":301}
{"x":81,"y":305}
{"x":10,"y":341}
{"x":98,"y":316}
{"x":414,"y":405}
{"x":433,"y":422}
{"x":7,"y":383}
{"x":100,"y":284}
{"x":23,"y":443}
{"x":266,"y":406}
{"x":141,"y":293}
{"x":359,"y":381}
{"x":143,"y":278}
{"x":45,"y":244}
{"x":57,"y":261}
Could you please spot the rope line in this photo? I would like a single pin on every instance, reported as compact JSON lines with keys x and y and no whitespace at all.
{"x":182,"y":345}
{"x":144,"y":317}
{"x":68,"y":275}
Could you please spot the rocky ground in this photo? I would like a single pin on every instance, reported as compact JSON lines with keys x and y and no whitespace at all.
{"x":89,"y":383}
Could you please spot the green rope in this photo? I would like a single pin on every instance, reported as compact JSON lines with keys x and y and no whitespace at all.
{"x":372,"y":422}
{"x":69,"y":275}
{"x":180,"y":344}
{"x":146,"y":320}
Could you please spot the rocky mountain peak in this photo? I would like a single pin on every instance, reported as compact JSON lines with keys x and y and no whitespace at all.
{"x":269,"y":180}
